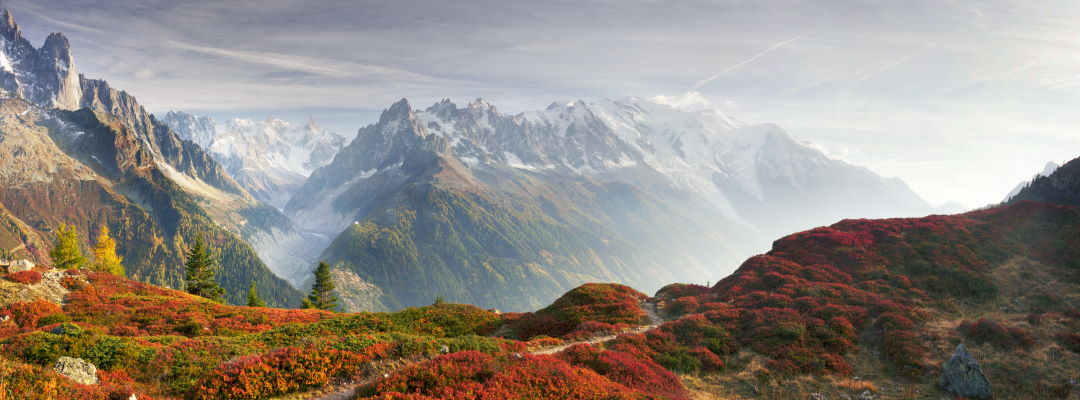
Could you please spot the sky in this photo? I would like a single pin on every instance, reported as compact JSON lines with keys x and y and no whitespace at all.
{"x":960,"y":99}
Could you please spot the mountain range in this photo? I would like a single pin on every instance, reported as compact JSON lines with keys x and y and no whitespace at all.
{"x":509,"y":210}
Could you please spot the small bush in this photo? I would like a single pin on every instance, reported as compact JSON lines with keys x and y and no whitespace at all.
{"x":280,"y":371}
{"x":1071,"y":341}
{"x":24,"y":277}
{"x":990,"y":331}
{"x":28,"y":314}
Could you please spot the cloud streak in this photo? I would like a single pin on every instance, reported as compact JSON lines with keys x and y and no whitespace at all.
{"x":894,"y":64}
{"x":736,"y":66}
{"x":276,"y":60}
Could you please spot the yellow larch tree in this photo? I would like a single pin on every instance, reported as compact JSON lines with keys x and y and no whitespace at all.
{"x":105,"y":257}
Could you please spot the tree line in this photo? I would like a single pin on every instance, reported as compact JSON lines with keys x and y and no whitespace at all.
{"x":200,"y":266}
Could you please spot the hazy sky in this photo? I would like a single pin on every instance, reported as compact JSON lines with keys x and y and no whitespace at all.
{"x":961,"y":99}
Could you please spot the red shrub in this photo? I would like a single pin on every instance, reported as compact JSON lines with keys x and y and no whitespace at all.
{"x":1071,"y":341}
{"x":990,"y":331}
{"x":474,"y":375}
{"x":677,"y":290}
{"x":24,"y":277}
{"x":589,"y":329}
{"x":682,"y":306}
{"x":905,"y":349}
{"x":27,"y":314}
{"x":636,"y":373}
{"x":281,"y":371}
{"x":709,"y":360}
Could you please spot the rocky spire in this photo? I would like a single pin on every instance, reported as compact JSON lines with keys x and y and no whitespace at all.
{"x":401,"y":110}
{"x":8,"y":28}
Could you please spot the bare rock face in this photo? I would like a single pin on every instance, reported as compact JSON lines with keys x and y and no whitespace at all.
{"x":19,"y":266}
{"x":77,"y":370}
{"x":964,"y":377}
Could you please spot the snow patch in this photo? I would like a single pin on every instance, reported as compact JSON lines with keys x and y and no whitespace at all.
{"x":5,"y":63}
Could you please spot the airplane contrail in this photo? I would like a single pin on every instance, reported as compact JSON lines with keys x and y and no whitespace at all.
{"x":706,"y":81}
{"x":899,"y":61}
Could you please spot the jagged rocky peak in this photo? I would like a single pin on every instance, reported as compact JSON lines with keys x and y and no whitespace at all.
{"x":399,"y":109}
{"x":480,"y":107}
{"x":8,"y":27}
{"x":445,"y":109}
{"x":45,"y":76}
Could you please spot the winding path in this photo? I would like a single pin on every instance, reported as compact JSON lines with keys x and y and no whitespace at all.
{"x":347,"y":390}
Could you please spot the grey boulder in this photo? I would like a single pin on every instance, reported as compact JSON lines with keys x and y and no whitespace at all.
{"x":964,"y":377}
{"x":77,"y":370}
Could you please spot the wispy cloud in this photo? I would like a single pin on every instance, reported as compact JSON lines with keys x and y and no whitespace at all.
{"x":725,"y":71}
{"x":277,"y":60}
{"x":43,"y":14}
{"x":897,"y":62}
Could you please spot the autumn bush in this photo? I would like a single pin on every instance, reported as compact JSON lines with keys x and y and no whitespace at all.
{"x":605,"y":303}
{"x":642,"y":374}
{"x":1071,"y":340}
{"x":19,"y":381}
{"x":24,"y":277}
{"x":474,"y":375}
{"x":989,"y":331}
{"x":282,"y":371}
{"x":27,"y":314}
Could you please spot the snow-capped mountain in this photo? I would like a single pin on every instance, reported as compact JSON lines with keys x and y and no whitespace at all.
{"x":738,"y":168}
{"x":612,"y":173}
{"x":1048,"y":169}
{"x":271,"y":159}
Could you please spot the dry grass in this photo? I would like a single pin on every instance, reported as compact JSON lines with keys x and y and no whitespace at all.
{"x":857,"y":385}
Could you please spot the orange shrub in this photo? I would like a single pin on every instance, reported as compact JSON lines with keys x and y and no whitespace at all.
{"x":281,"y":371}
{"x":27,"y":314}
{"x":24,"y":277}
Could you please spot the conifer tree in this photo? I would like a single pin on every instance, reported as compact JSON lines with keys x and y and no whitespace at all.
{"x":105,"y":257}
{"x":253,"y":297}
{"x":66,"y":253}
{"x":200,"y":273}
{"x":322,"y":292}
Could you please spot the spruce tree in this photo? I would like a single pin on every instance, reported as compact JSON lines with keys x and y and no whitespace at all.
{"x":200,"y":273}
{"x":253,"y":297}
{"x":65,"y":253}
{"x":322,"y":292}
{"x":105,"y":257}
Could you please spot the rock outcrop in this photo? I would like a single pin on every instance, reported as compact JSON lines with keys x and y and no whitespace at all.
{"x":77,"y":370}
{"x":964,"y":377}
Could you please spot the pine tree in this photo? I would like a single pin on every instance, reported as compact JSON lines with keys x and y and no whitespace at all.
{"x":253,"y":297}
{"x":322,"y":292}
{"x":65,"y":253}
{"x":200,"y":273}
{"x":105,"y":257}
